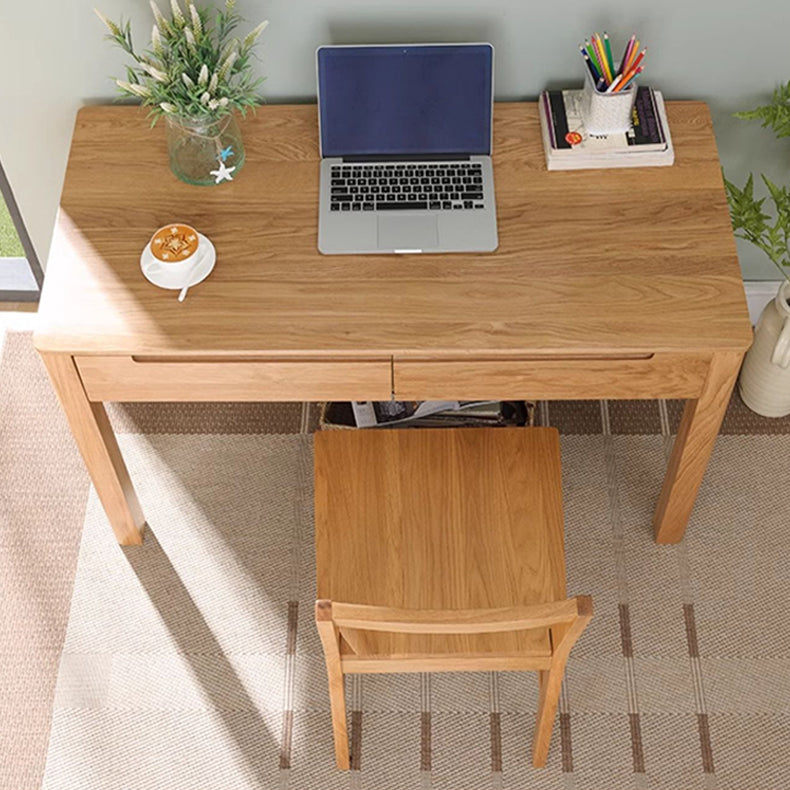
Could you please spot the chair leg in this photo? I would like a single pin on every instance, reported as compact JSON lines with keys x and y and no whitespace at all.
{"x":337,"y":703}
{"x":550,"y":685}
{"x":330,"y":640}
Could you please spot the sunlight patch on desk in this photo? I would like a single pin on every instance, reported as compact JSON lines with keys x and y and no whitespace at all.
{"x":82,"y":255}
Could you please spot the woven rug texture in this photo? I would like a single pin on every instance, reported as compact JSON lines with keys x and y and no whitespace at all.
{"x":192,"y":662}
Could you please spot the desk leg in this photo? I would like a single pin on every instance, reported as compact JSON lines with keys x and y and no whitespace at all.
{"x":693,"y":446}
{"x":96,"y":441}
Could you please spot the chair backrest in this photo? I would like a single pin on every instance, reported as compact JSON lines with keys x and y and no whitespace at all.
{"x":565,"y":619}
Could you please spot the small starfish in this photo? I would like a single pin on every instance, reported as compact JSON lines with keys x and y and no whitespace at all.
{"x":222,"y":173}
{"x":226,"y":152}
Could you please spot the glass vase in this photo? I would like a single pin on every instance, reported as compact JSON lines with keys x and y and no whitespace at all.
{"x":204,"y":151}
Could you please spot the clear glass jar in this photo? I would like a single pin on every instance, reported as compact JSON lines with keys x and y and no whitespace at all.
{"x":204,"y":151}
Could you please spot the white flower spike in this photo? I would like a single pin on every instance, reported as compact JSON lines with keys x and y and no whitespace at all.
{"x":224,"y":69}
{"x":197,"y":25}
{"x":178,"y":14}
{"x":156,"y":41}
{"x":159,"y":18}
{"x":111,"y":26}
{"x":156,"y":73}
{"x":253,"y":35}
{"x":203,"y":76}
{"x":131,"y":87}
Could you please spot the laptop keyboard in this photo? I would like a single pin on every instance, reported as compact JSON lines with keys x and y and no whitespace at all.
{"x":446,"y":186}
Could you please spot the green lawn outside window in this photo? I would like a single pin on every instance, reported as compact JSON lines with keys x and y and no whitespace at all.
{"x":10,"y":246}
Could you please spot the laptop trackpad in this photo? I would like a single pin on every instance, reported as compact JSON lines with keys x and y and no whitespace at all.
{"x":408,"y":233}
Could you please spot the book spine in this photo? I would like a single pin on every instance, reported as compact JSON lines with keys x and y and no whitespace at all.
{"x":546,"y":113}
{"x":660,"y":117}
{"x":559,"y":120}
{"x":645,"y":125}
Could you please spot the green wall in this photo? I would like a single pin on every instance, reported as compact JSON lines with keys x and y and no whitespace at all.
{"x":728,"y":54}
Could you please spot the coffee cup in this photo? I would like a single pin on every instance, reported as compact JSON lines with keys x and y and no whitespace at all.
{"x":173,"y":251}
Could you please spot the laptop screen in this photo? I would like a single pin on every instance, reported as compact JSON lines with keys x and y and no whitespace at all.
{"x":405,"y":100}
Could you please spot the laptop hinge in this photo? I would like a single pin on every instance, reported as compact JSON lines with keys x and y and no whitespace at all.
{"x":408,"y":158}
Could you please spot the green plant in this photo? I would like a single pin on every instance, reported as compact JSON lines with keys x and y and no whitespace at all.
{"x":194,"y":66}
{"x":749,"y":220}
{"x":776,"y":114}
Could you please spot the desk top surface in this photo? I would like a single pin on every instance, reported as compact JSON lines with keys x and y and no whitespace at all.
{"x":590,"y":262}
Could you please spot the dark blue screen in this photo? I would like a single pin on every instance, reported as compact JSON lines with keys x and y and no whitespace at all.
{"x":405,"y":100}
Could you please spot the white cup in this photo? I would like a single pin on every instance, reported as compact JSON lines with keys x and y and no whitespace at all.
{"x":606,"y":113}
{"x":177,"y":270}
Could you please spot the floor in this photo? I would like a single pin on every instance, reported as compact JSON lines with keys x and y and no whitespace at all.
{"x":710,"y":627}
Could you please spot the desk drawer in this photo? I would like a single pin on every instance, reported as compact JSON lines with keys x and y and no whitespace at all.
{"x":656,"y":376}
{"x":158,"y":379}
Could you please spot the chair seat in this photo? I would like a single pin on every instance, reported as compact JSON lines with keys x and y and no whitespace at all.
{"x":440,"y":519}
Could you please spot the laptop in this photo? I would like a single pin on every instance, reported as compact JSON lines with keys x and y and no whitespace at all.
{"x":405,"y":135}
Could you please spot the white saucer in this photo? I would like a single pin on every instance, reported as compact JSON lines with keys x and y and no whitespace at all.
{"x":155,"y":274}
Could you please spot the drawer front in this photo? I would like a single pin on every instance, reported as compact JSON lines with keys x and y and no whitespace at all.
{"x":657,"y":376}
{"x":157,"y":379}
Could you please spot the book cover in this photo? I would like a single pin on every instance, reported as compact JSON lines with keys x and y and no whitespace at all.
{"x":565,"y":124}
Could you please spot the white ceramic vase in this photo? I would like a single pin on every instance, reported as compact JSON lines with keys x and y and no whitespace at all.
{"x":765,"y":377}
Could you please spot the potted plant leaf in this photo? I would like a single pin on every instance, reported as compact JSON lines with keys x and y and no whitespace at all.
{"x":197,"y":74}
{"x":764,"y":382}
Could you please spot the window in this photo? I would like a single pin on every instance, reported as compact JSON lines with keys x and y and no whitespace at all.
{"x":20,"y":271}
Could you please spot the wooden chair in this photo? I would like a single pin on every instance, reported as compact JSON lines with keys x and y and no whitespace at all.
{"x":442,"y":550}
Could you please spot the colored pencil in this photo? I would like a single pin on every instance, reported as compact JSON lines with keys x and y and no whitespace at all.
{"x":590,"y":66}
{"x":615,"y":82}
{"x":626,"y":83}
{"x":608,"y":46}
{"x":592,"y":56}
{"x":627,"y":53}
{"x":597,"y":54}
{"x":602,"y":57}
{"x":638,"y":60}
{"x":631,"y":56}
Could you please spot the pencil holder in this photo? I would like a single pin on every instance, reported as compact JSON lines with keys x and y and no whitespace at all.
{"x":606,"y":113}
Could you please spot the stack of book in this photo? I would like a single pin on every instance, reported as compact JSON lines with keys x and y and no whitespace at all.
{"x":568,"y":146}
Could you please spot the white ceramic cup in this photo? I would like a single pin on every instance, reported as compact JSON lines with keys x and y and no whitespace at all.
{"x":606,"y":113}
{"x":177,"y":270}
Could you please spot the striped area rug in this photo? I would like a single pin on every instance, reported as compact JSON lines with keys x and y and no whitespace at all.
{"x":192,"y":662}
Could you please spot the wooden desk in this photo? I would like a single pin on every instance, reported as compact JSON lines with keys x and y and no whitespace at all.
{"x":608,"y":284}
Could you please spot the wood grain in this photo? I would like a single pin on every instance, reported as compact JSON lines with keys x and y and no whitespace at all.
{"x":582,"y":266}
{"x":446,"y":549}
{"x":441,"y":519}
{"x":662,"y":375}
{"x":376,"y":665}
{"x":130,"y":379}
{"x":583,"y":270}
{"x":550,"y":682}
{"x":452,"y":621}
{"x":99,"y":449}
{"x":693,"y":446}
{"x":337,"y":695}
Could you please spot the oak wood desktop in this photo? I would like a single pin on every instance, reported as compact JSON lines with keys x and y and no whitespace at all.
{"x":606,"y":284}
